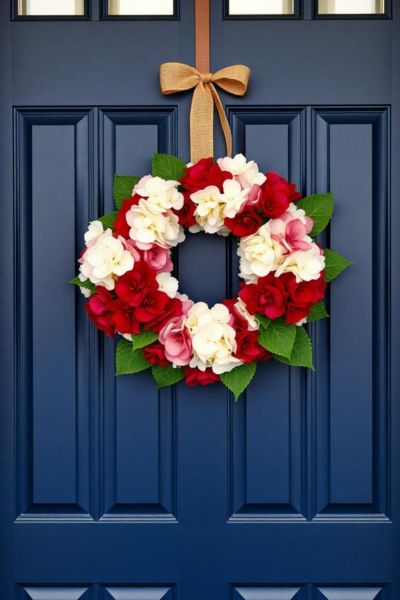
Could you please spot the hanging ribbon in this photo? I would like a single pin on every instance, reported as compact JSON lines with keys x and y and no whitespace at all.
{"x":178,"y":77}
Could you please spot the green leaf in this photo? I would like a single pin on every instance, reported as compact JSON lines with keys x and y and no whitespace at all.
{"x":263,"y":321}
{"x":167,"y":375}
{"x":318,"y":312}
{"x":301,"y":355}
{"x":239,"y":378}
{"x":335,"y":264}
{"x":167,"y":166}
{"x":129,"y":362}
{"x":278,"y":338}
{"x":320,"y":208}
{"x":122,"y":188}
{"x":108,"y":220}
{"x":143,"y":339}
{"x":85,"y":284}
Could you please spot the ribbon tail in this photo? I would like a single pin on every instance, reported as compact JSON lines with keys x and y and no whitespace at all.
{"x":201,"y":123}
{"x":223,"y":119}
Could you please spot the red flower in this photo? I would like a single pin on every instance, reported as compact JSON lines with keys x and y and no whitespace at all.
{"x":302,"y":297}
{"x":99,"y":310}
{"x":248,"y":348}
{"x":196,"y":377}
{"x":306,"y":291}
{"x":151,"y":306}
{"x":205,"y":172}
{"x":155,"y":354}
{"x":266,"y":297}
{"x":120,"y":226}
{"x":276,"y":194}
{"x":245,"y":223}
{"x":186,"y":213}
{"x":172,"y":308}
{"x":296,"y":312}
{"x":124,"y":318}
{"x":134,"y":285}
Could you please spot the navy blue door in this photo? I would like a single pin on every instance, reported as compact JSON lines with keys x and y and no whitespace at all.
{"x":109,"y":490}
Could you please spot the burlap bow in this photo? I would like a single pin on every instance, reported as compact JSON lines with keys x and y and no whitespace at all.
{"x":178,"y":77}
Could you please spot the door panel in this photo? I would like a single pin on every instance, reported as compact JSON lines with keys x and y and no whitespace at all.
{"x":111,"y":489}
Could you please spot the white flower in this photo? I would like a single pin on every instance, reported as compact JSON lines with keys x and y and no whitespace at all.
{"x":241,"y":308}
{"x":95,"y":230}
{"x":259,"y":254}
{"x":148,"y":227}
{"x":105,"y":259}
{"x":161,"y":194}
{"x":213,"y":339}
{"x":306,"y":265}
{"x":209,"y":211}
{"x":167,"y":284}
{"x":233,"y":197}
{"x":196,"y":311}
{"x":246,"y":173}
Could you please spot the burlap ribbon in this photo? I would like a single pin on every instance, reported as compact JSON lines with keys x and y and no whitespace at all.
{"x":178,"y":77}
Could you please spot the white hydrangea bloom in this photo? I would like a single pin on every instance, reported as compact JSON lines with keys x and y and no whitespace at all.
{"x":259,"y":254}
{"x":161,"y":194}
{"x":94,"y":231}
{"x":305,"y":265}
{"x":213,"y":339}
{"x":148,"y":227}
{"x":233,"y":197}
{"x":105,"y":259}
{"x":246,"y":173}
{"x":194,"y":314}
{"x":209,"y":211}
{"x":167,"y":284}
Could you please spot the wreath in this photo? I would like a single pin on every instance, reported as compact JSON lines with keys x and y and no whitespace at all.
{"x":126,"y":265}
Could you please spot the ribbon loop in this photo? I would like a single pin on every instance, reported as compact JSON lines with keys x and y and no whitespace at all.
{"x":179,"y":77}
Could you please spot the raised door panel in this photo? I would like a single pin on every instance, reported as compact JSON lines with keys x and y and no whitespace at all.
{"x":139,"y":422}
{"x":54,"y":343}
{"x":351,"y":157}
{"x":267,"y":437}
{"x":55,"y":593}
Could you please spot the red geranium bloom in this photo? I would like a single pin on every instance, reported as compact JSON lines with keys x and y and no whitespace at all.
{"x":120,"y":226}
{"x":266,"y":297}
{"x":99,"y":310}
{"x":196,"y":377}
{"x":306,"y":291}
{"x":204,"y":173}
{"x":124,"y":318}
{"x":152,"y":305}
{"x":248,"y":348}
{"x":155,"y":354}
{"x":275,"y":195}
{"x":303,"y":296}
{"x":172,"y":308}
{"x":134,"y":285}
{"x":246,"y":222}
{"x":186,"y":213}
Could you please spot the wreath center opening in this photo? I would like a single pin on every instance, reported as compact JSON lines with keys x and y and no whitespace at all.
{"x":203,"y":267}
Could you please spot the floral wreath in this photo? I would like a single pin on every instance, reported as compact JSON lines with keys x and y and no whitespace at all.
{"x":125,"y":271}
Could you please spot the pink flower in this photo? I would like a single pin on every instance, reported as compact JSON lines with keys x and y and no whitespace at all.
{"x":132,"y":248}
{"x":177,"y":341}
{"x":291,"y":230}
{"x":158,"y":258}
